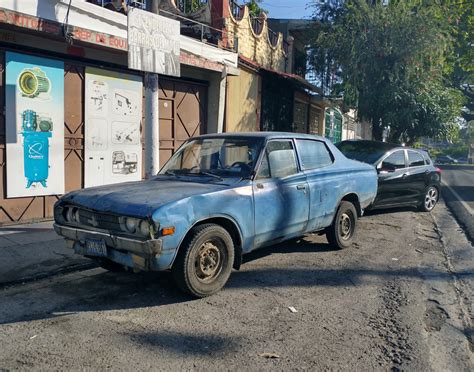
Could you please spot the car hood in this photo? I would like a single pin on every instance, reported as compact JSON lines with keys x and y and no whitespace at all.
{"x":138,"y":199}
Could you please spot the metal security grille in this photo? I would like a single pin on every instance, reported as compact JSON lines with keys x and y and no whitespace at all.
{"x":183,"y":112}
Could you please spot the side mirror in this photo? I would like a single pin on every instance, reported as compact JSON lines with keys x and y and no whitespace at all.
{"x":386,"y":168}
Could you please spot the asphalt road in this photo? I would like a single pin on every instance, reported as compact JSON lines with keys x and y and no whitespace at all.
{"x":458,"y":192}
{"x":400,"y":299}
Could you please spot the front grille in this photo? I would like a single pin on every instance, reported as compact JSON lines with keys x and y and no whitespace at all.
{"x":99,"y":221}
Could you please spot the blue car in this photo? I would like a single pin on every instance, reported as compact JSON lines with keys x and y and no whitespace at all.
{"x":219,"y":197}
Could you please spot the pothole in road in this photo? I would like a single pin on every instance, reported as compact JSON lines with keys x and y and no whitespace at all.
{"x":435,"y":316}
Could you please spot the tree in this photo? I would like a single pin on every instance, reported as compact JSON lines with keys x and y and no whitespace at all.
{"x":389,"y":59}
{"x":254,"y":8}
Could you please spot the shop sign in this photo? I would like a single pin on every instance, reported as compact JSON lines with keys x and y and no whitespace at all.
{"x":153,"y":43}
{"x":34,"y":125}
{"x":113,"y":110}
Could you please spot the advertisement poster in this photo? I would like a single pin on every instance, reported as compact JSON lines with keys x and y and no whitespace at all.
{"x":35,"y":125}
{"x":113,"y":149}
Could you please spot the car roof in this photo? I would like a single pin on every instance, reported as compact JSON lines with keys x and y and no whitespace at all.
{"x":386,"y":146}
{"x":267,"y":135}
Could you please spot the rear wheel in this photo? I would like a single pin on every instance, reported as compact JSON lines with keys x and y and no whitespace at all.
{"x":204,"y":261}
{"x":342,"y":231}
{"x":430,"y":200}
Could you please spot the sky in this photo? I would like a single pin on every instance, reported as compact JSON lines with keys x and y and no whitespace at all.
{"x":296,"y":9}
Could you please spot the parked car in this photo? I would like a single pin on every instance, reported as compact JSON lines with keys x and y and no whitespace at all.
{"x":445,"y":159}
{"x":217,"y":198}
{"x":406,"y":176}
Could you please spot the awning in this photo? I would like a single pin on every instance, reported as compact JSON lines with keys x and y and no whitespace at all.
{"x":295,"y":79}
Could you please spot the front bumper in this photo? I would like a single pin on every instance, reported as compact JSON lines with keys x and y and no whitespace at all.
{"x":129,"y":252}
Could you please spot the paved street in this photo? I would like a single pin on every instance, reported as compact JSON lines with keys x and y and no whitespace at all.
{"x":400,"y":299}
{"x":458,"y":191}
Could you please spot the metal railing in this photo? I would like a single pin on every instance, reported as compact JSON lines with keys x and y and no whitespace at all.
{"x":119,"y":5}
{"x":237,"y":10}
{"x":257,"y":24}
{"x":272,"y":37}
{"x":191,"y":6}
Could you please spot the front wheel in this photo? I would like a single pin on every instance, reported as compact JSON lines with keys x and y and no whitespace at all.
{"x":430,"y":200}
{"x":204,"y":261}
{"x":341,"y":233}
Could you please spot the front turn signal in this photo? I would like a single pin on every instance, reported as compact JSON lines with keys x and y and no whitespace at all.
{"x":168,"y":230}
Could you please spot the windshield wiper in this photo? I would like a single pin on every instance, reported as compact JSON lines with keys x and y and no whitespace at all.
{"x":171,"y":173}
{"x":204,"y":173}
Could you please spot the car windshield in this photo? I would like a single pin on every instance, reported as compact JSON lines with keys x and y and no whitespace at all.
{"x":362,"y":151}
{"x":218,"y":157}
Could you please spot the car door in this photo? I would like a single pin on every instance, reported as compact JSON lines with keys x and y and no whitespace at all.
{"x":281,"y":194}
{"x":392,"y":182}
{"x":417,"y":174}
{"x":315,"y":159}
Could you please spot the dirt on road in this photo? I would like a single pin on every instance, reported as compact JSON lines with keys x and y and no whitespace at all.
{"x":400,"y":299}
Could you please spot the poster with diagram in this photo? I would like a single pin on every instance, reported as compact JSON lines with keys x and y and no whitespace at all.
{"x":113,"y":150}
{"x":34,"y":109}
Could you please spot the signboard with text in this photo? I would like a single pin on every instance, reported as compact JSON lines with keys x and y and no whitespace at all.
{"x":153,"y":43}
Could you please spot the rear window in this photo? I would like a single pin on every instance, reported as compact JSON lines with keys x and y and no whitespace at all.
{"x":365,"y":152}
{"x":313,"y":154}
{"x":415,"y":159}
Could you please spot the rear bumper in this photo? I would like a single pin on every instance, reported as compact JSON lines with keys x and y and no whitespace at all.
{"x":129,"y":252}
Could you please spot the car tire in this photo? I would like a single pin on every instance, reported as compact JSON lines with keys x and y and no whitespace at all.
{"x":430,"y":199}
{"x":110,"y":265}
{"x":342,"y":231}
{"x":204,"y":261}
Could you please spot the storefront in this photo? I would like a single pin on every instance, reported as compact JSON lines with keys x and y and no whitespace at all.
{"x":71,"y":114}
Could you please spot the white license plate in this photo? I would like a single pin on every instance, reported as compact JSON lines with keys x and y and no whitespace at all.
{"x":96,"y":247}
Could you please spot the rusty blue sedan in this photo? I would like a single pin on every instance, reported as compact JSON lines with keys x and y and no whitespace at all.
{"x":219,"y":197}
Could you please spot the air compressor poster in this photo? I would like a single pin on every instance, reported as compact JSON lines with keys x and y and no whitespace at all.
{"x":113,"y":148}
{"x":34,"y":125}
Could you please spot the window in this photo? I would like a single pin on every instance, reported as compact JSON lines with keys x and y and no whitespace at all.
{"x":313,"y":154}
{"x":415,"y":159}
{"x":394,"y":161}
{"x":279,"y":160}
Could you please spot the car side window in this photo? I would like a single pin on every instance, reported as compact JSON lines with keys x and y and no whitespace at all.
{"x":279,"y":160}
{"x":313,"y":154}
{"x":394,"y":161}
{"x":415,"y":159}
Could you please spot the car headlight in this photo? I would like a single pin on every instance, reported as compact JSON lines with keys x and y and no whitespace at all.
{"x":131,"y":224}
{"x":72,"y":214}
{"x":144,"y":228}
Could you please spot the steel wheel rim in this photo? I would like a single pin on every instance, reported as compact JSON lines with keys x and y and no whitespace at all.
{"x":209,"y":260}
{"x":431,"y":198}
{"x":345,"y":226}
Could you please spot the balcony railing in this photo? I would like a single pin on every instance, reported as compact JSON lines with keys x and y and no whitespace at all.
{"x":237,"y":10}
{"x":272,"y":38}
{"x":191,"y":6}
{"x":119,"y":5}
{"x":257,"y":24}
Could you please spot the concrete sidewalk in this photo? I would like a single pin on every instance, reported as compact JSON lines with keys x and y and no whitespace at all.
{"x":35,"y":251}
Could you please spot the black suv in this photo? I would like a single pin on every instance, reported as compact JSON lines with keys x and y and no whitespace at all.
{"x":407,"y":177}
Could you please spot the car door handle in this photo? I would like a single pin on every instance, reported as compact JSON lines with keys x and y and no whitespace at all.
{"x":405,"y":175}
{"x":259,"y":186}
{"x":301,"y":187}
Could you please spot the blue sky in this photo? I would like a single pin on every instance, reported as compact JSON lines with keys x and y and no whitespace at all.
{"x":287,"y":8}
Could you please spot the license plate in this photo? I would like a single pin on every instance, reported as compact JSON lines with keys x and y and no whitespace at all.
{"x":96,"y":247}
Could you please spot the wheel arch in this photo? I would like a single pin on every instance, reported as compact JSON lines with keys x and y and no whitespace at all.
{"x":229,"y":225}
{"x":354,"y":199}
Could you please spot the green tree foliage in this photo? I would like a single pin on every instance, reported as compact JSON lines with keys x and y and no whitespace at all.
{"x":254,"y":8}
{"x":390,"y":60}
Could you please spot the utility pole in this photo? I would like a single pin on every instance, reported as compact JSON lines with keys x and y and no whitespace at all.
{"x":152,"y":121}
